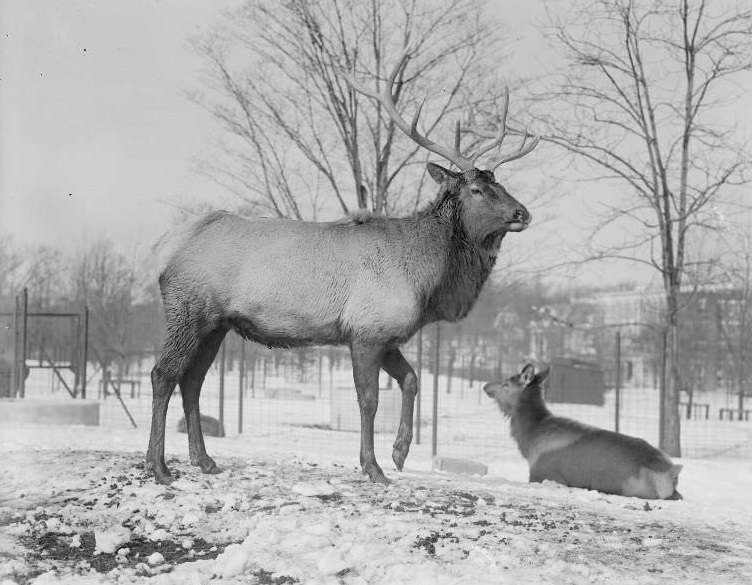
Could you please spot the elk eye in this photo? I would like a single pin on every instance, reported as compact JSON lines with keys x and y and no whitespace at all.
{"x":476,"y":191}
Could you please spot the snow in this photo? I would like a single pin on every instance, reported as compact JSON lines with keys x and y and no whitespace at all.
{"x":155,"y":559}
{"x":309,"y":489}
{"x":108,"y":540}
{"x":292,"y":506}
{"x":296,"y":509}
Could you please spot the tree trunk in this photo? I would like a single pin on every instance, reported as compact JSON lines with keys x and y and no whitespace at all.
{"x":671,"y":422}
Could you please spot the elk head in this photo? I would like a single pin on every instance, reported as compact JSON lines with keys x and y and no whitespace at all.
{"x":508,"y":394}
{"x":488,"y":211}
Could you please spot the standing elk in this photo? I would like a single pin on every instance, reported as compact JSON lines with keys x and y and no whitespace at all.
{"x":368,"y":282}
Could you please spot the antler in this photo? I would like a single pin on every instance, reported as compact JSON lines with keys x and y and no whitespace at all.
{"x":386,"y":99}
{"x":454,"y":156}
{"x":499,"y":134}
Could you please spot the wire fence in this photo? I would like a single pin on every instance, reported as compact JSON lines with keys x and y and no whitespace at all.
{"x":252,"y":389}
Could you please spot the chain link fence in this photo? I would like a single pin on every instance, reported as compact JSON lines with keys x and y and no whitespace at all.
{"x":310,"y":391}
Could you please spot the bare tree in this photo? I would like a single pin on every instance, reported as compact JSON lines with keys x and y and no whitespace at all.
{"x":11,"y":261}
{"x":297,"y":129}
{"x":106,"y":281}
{"x":735,"y":316}
{"x":643,"y":103}
{"x":37,"y":268}
{"x":43,"y":275}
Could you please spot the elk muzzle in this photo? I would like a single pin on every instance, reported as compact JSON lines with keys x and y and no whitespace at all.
{"x":520,"y":221}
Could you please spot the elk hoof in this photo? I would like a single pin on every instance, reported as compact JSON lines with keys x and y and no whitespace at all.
{"x":207,"y":465}
{"x":376,"y":475}
{"x":164,"y":478}
{"x":398,"y":456}
{"x":160,"y":471}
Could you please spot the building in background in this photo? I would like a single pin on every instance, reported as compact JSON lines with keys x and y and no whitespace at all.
{"x":715,"y":335}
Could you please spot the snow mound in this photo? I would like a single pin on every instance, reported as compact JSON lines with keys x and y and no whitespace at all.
{"x":321,"y":488}
{"x":276,"y":519}
{"x":110,"y":539}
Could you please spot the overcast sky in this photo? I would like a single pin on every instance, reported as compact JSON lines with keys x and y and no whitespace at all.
{"x":96,"y":134}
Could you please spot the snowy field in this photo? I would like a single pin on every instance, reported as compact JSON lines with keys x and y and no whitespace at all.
{"x":292,"y":507}
{"x":77,"y":508}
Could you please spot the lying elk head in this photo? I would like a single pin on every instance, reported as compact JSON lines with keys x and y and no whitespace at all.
{"x":488,"y":211}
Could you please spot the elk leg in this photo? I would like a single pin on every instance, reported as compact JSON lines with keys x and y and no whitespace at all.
{"x":180,"y":345}
{"x":178,"y":348}
{"x":163,"y":385}
{"x":395,"y":364}
{"x":190,"y":388}
{"x":366,"y":363}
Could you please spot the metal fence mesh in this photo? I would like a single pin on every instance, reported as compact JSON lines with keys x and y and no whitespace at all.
{"x":283,"y":391}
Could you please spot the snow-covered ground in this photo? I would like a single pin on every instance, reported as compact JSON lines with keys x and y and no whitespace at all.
{"x":291,"y":507}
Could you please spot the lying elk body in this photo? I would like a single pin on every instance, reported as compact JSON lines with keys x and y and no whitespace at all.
{"x":578,"y":455}
{"x":369,"y":283}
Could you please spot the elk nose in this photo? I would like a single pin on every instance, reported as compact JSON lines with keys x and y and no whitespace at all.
{"x":522,"y":215}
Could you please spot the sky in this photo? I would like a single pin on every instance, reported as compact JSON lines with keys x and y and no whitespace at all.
{"x":98,"y":136}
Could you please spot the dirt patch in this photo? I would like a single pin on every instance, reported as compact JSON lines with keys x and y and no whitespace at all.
{"x":54,"y":546}
{"x":428,"y":543}
{"x":268,"y":578}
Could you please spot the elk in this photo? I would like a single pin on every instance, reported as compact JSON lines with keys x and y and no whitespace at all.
{"x":369,"y":282}
{"x":578,"y":455}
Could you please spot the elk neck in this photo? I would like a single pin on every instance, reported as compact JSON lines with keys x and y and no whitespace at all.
{"x":527,"y":417}
{"x":467,"y":263}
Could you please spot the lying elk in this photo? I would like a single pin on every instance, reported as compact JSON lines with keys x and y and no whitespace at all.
{"x":369,"y":283}
{"x":578,"y":455}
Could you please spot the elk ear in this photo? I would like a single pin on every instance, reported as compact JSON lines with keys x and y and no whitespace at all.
{"x":440,"y":174}
{"x":542,"y":376}
{"x":527,"y":374}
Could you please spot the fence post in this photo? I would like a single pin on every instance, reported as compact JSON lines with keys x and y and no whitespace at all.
{"x":24,"y":330}
{"x":321,"y":365}
{"x":222,"y":386}
{"x":450,"y":369}
{"x":85,"y":358}
{"x":330,"y":363}
{"x":14,"y":369}
{"x":463,"y":377}
{"x":437,"y":355}
{"x":77,"y":366}
{"x":419,"y":376}
{"x":617,"y":386}
{"x":253,"y":373}
{"x":241,"y":383}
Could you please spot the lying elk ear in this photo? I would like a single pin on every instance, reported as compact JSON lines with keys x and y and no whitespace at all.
{"x":541,"y":376}
{"x":440,"y":174}
{"x":526,"y":375}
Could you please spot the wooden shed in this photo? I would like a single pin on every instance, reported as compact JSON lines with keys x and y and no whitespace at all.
{"x":575,"y":382}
